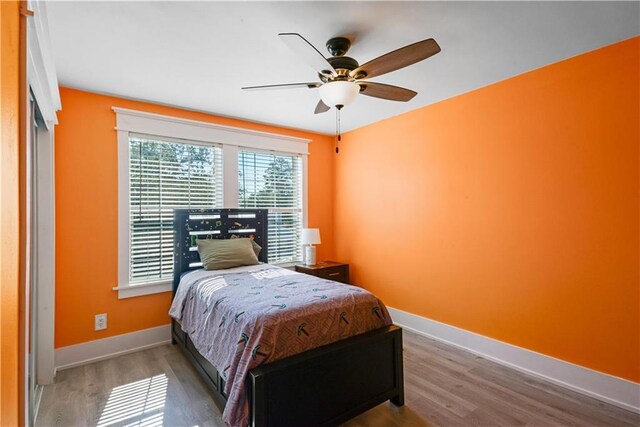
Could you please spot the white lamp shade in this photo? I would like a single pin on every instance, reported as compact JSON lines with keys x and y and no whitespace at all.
{"x":310,"y":236}
{"x":339,"y":93}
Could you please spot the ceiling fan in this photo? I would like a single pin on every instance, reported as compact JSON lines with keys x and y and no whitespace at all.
{"x":342,"y":78}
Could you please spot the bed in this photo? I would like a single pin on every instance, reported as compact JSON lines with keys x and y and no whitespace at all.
{"x":326,"y":385}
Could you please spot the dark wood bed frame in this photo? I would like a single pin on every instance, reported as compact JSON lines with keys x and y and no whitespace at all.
{"x":325,"y":386}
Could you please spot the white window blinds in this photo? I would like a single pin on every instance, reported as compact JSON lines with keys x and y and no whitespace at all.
{"x":166,"y":174}
{"x":274,"y":181}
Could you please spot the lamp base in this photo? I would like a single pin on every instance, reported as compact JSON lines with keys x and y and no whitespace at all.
{"x":310,"y":255}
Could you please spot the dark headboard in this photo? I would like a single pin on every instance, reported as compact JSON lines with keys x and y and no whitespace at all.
{"x":192,"y":224}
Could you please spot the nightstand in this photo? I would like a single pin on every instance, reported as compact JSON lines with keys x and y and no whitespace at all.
{"x":331,"y":270}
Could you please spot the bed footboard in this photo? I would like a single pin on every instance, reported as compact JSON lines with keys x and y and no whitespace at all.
{"x":331,"y":384}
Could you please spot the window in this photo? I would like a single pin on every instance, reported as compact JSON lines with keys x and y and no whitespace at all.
{"x":164,"y":175}
{"x":274,"y":181}
{"x":167,"y":162}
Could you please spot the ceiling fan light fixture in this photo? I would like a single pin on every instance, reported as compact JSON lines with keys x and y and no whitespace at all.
{"x":339,"y":93}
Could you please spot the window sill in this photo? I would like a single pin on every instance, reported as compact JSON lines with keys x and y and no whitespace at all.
{"x":140,"y":289}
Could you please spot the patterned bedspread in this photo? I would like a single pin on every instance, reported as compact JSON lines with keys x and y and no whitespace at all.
{"x":248,"y":316}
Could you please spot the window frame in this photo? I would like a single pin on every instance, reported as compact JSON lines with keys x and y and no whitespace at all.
{"x":218,"y":195}
{"x":232,"y":140}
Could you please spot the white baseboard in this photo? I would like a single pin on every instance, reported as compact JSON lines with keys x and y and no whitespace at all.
{"x":608,"y":388}
{"x":614,"y":390}
{"x":93,"y":351}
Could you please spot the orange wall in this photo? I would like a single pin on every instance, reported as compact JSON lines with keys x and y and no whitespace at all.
{"x":86,"y":215}
{"x":9,"y":215}
{"x":511,"y":211}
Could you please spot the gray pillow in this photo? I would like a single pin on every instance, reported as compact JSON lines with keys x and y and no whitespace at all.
{"x":256,"y":247}
{"x":217,"y":254}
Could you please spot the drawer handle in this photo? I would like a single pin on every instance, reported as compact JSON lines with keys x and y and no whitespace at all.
{"x":334,"y":274}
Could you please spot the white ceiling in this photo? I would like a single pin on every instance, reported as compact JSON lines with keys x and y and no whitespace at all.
{"x":197,"y":55}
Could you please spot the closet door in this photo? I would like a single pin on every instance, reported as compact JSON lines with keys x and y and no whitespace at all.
{"x":40,"y":259}
{"x":36,"y":124}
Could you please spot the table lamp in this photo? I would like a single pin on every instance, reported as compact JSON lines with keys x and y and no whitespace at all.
{"x":310,"y":237}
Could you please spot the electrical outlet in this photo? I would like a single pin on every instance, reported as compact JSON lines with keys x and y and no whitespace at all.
{"x":101,"y":322}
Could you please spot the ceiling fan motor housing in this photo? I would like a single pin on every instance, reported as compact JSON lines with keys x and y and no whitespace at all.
{"x":343,"y":65}
{"x":343,"y":62}
{"x":338,"y":46}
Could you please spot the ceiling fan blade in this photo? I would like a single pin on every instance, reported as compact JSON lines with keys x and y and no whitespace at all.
{"x":311,"y":85}
{"x":392,"y":93}
{"x":397,"y":59}
{"x":308,"y":53}
{"x":321,"y":108}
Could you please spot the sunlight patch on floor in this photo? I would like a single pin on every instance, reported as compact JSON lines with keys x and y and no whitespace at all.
{"x":140,"y":403}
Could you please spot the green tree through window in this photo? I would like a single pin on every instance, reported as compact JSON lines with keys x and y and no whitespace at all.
{"x":273,"y":181}
{"x":165,"y":175}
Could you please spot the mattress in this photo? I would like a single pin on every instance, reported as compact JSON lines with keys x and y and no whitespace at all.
{"x":244,"y":317}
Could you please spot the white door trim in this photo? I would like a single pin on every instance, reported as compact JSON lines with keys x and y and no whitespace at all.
{"x":43,"y":83}
{"x":41,"y":68}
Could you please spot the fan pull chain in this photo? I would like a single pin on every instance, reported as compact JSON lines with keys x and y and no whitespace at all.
{"x":338,"y":108}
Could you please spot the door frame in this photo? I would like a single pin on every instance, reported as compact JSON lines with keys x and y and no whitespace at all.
{"x":42,"y":82}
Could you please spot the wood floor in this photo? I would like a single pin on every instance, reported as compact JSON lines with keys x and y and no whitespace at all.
{"x":444,"y":386}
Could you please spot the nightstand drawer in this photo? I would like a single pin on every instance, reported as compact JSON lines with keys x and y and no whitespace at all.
{"x":337,"y":274}
{"x":330,"y":270}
